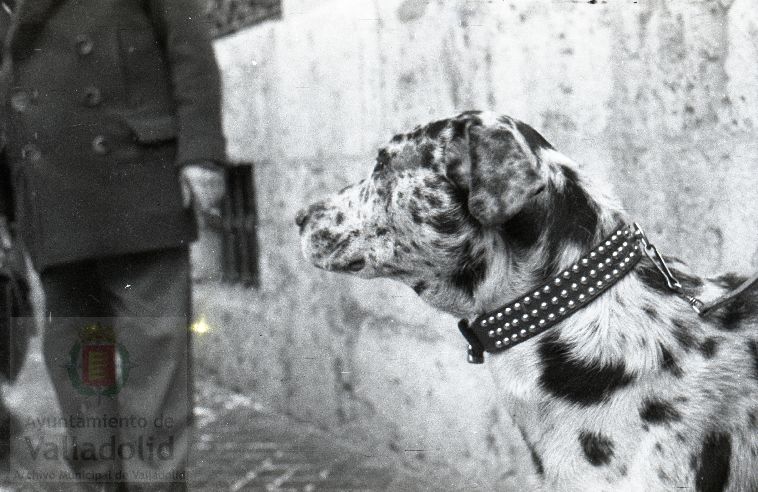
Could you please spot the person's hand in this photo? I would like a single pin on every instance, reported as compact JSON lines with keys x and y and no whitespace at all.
{"x":203,"y":186}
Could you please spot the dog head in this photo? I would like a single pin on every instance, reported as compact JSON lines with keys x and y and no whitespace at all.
{"x":440,"y":209}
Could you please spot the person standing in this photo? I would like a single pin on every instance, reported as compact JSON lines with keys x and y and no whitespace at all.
{"x":111,"y":124}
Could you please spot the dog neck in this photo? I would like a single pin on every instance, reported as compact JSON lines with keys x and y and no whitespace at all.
{"x":571,"y":218}
{"x":544,"y":306}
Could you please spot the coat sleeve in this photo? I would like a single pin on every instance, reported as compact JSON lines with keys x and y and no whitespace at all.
{"x":183,"y":31}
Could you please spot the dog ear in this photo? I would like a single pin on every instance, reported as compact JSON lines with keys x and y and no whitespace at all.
{"x":504,"y":174}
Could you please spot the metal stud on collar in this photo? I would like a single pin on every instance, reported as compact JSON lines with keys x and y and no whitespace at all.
{"x":557,"y":299}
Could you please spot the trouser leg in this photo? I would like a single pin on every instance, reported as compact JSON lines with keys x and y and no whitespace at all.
{"x":149,"y":295}
{"x":73,"y":303}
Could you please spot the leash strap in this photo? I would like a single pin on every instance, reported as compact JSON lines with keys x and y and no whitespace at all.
{"x":720,"y":301}
{"x":701,"y":308}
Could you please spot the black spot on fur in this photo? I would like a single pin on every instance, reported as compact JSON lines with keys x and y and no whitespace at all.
{"x":415,"y":212}
{"x":712,"y":465}
{"x":652,"y":278}
{"x":420,"y":286}
{"x":382,"y":231}
{"x":532,"y":137}
{"x":523,"y":230}
{"x":434,"y":201}
{"x":471,"y":269}
{"x":669,"y":363}
{"x":598,"y":448}
{"x":382,"y":193}
{"x":395,"y":270}
{"x":658,"y":412}
{"x":572,"y":219}
{"x":580,"y":382}
{"x":689,"y":282}
{"x":416,"y":133}
{"x":709,"y":347}
{"x":752,"y":418}
{"x":459,"y":129}
{"x":383,"y":160}
{"x":731,"y":315}
{"x":566,"y":217}
{"x":651,"y":313}
{"x":752,"y":347}
{"x":730,"y":281}
{"x":326,"y":239}
{"x":445,"y":223}
{"x":340,"y":218}
{"x":427,"y":155}
{"x":683,"y":335}
{"x":433,"y":129}
{"x":435,"y":182}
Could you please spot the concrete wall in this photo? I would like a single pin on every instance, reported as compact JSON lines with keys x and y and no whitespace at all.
{"x":661,"y":97}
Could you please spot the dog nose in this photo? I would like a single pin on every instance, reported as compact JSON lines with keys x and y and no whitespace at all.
{"x":301,"y":217}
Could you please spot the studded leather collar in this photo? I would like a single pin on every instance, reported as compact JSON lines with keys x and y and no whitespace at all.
{"x":554,"y":301}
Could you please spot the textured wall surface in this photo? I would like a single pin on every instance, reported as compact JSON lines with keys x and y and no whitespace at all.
{"x":659,"y":97}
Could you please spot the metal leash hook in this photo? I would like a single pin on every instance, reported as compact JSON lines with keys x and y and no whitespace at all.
{"x":671,"y":281}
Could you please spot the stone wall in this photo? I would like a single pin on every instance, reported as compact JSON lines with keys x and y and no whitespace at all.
{"x":659,"y":97}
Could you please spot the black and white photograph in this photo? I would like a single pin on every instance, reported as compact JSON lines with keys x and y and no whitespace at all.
{"x":379,"y":245}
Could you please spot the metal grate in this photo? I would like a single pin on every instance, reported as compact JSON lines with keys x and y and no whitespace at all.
{"x":240,"y":219}
{"x":237,"y":226}
{"x":229,"y":16}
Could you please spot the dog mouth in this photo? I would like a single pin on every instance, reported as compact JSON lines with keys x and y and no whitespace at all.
{"x":354,"y":266}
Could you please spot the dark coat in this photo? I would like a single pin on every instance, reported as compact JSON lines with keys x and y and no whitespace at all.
{"x":106,"y":99}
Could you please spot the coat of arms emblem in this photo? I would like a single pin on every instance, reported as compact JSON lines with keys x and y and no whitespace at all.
{"x":98,"y":364}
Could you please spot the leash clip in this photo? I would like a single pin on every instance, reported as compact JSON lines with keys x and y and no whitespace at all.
{"x":671,"y":281}
{"x":652,"y":252}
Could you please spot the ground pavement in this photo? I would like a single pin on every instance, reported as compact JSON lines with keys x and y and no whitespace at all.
{"x":239,"y":445}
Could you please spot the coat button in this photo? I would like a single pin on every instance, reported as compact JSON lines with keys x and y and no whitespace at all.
{"x":84,"y":45}
{"x":20,"y":101}
{"x":92,"y":96}
{"x":100,"y":145}
{"x":31,"y":152}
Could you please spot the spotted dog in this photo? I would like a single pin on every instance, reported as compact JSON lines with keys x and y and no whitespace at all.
{"x":632,"y":392}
